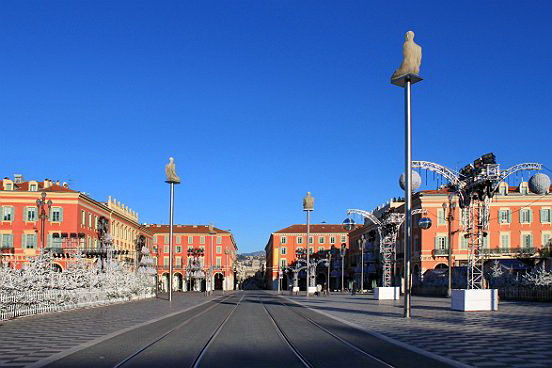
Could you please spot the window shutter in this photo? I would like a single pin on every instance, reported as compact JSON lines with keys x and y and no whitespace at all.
{"x":446,"y":242}
{"x":509,"y":216}
{"x":60,"y":214}
{"x":542,"y":215}
{"x":49,"y":241}
{"x":23,"y":241}
{"x":436,"y":241}
{"x":530,"y":216}
{"x":25,"y":215}
{"x":1,"y":213}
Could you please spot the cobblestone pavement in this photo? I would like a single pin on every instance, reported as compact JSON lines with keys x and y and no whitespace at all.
{"x":27,"y":340}
{"x":517,"y":335}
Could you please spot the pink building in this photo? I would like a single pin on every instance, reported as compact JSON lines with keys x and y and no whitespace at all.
{"x":204,"y":257}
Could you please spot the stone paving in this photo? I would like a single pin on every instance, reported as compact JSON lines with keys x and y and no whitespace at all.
{"x":517,"y":335}
{"x":25,"y":341}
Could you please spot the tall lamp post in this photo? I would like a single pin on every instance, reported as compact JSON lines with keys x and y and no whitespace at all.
{"x":308,"y":207}
{"x":342,"y":253}
{"x":362,"y":242}
{"x":404,"y":77}
{"x":41,"y":205}
{"x":449,"y":217}
{"x":172,"y":179}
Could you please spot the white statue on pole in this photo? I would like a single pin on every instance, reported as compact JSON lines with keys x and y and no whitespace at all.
{"x":412,"y":57}
{"x":170,"y":171}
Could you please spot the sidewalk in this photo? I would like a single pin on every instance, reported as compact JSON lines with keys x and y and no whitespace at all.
{"x":517,"y":335}
{"x":29,"y":339}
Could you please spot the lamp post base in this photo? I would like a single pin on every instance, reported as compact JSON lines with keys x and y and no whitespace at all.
{"x":387,"y":293}
{"x":474,"y":300}
{"x":311,"y":290}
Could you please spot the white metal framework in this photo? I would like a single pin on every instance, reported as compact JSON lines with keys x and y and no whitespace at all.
{"x":388,"y":230}
{"x":475,"y":193}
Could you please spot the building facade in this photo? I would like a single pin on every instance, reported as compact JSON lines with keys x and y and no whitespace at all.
{"x":65,"y":224}
{"x":281,"y":253}
{"x":520,"y":228}
{"x":518,"y":237}
{"x":204,"y":257}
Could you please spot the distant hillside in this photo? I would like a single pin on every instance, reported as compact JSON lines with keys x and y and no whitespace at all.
{"x":258,"y":253}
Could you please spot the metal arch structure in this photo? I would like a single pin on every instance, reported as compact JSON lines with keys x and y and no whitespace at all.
{"x":388,"y":230}
{"x":475,"y":193}
{"x":449,"y":174}
{"x":366,"y":214}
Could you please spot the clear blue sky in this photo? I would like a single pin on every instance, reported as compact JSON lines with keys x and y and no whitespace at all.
{"x":262,"y":101}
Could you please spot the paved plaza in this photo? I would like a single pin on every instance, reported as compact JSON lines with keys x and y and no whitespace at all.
{"x":28,"y":340}
{"x":517,"y":335}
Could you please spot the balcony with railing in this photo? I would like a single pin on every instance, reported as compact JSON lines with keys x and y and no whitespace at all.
{"x":440,"y":252}
{"x":527,"y":251}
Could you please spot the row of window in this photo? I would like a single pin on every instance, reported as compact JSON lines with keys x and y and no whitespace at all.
{"x":321,"y":239}
{"x":30,"y":214}
{"x":178,"y":249}
{"x":179,"y":261}
{"x":283,"y":250}
{"x":526,"y":240}
{"x":33,"y":187}
{"x":178,"y":239}
{"x":30,"y":241}
{"x":504,"y":216}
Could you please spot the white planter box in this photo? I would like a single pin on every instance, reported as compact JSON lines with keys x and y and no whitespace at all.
{"x":472,"y":300}
{"x":295,"y":289}
{"x":387,"y":293}
{"x":312,"y":290}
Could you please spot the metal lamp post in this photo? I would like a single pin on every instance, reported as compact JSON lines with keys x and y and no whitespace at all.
{"x":342,"y":253}
{"x":362,"y":241}
{"x":449,"y":217}
{"x":41,"y":205}
{"x":227,"y":268}
{"x":406,"y":82}
{"x":172,"y":179}
{"x":308,"y":207}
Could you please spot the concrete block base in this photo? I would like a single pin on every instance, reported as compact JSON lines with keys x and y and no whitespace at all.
{"x":473,"y":300}
{"x":387,"y":293}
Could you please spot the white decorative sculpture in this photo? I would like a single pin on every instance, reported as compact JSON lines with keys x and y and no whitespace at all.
{"x":170,"y":171}
{"x":412,"y":57}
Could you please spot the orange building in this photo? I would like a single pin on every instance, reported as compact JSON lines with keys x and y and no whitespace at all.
{"x":70,"y":223}
{"x":520,"y":228}
{"x":283,"y":244}
{"x":519,"y":234}
{"x":204,"y":257}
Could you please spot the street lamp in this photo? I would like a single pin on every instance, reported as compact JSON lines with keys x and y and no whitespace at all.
{"x":194,"y":265}
{"x":342,"y":252}
{"x":449,"y":218}
{"x":172,"y":179}
{"x":226,"y":252}
{"x":212,"y":233}
{"x":41,"y":205}
{"x":308,"y":207}
{"x":362,"y":242}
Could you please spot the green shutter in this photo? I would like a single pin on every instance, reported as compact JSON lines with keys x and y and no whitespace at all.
{"x":509,"y":216}
{"x":543,"y":215}
{"x":530,"y":216}
{"x":60,"y":214}
{"x":23,"y":241}
{"x":1,"y":213}
{"x":436,"y":242}
{"x":25,"y":209}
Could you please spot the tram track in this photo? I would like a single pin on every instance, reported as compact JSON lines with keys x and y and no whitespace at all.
{"x":296,"y":350}
{"x":128,"y":360}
